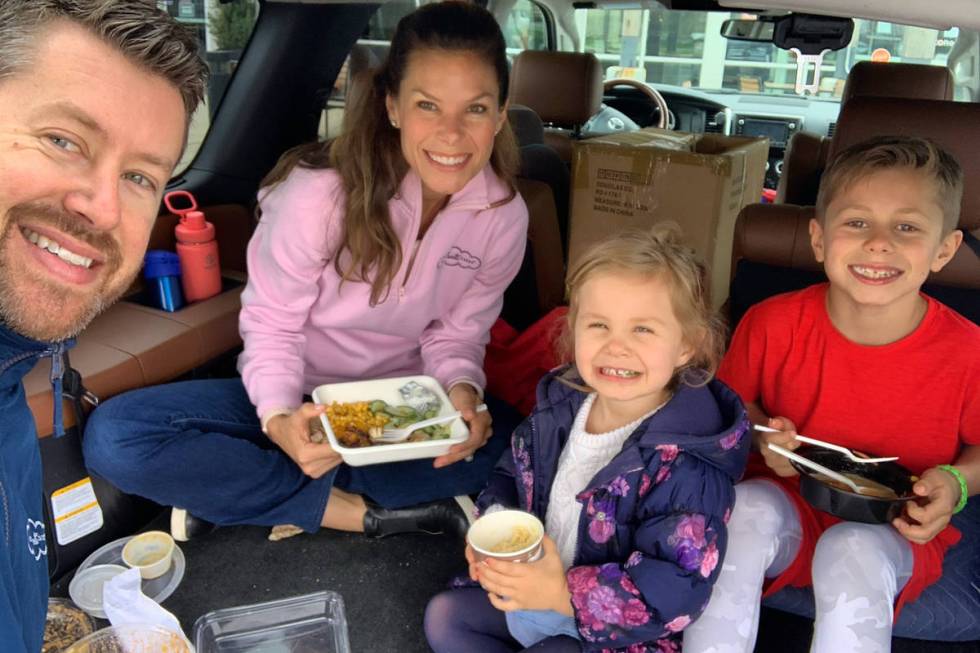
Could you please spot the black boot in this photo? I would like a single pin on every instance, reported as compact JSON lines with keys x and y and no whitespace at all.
{"x":438,"y":517}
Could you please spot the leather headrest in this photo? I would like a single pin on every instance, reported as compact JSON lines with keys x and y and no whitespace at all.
{"x":905,"y":80}
{"x":563,"y":88}
{"x":779,"y":235}
{"x":526,"y":125}
{"x":954,"y":126}
{"x":775,"y":234}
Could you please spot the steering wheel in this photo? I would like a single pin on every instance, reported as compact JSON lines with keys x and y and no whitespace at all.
{"x":649,"y":91}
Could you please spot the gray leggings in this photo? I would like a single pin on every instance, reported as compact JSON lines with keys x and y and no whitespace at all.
{"x":858,"y":570}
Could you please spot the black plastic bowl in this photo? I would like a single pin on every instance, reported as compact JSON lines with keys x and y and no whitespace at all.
{"x":845,"y":503}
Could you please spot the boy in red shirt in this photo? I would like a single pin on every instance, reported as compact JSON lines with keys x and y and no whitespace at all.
{"x":868,"y":362}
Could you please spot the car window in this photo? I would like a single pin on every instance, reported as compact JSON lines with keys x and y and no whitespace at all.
{"x":223,"y":30}
{"x":685,"y":48}
{"x":526,"y":27}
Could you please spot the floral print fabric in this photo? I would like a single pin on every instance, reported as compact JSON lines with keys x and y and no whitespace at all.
{"x":652,"y":529}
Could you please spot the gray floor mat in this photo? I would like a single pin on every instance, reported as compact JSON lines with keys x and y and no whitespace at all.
{"x":385,"y":583}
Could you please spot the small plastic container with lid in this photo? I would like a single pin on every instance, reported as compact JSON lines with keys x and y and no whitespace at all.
{"x":313,"y":622}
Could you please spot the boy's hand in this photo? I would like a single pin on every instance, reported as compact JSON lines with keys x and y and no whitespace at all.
{"x":464,"y":398}
{"x":538,"y":585}
{"x":291,"y":433}
{"x":925,"y":518}
{"x":786,"y":438}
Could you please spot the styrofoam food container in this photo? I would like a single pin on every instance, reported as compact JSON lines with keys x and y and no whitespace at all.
{"x":495,"y":527}
{"x":387,"y":390}
{"x":151,"y":552}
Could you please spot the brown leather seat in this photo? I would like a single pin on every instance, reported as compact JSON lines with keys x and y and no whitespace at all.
{"x":132,"y":345}
{"x":563,"y":88}
{"x":806,"y":154}
{"x":771,"y":249}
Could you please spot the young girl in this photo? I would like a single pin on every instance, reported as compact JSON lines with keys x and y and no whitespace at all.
{"x":629,"y":459}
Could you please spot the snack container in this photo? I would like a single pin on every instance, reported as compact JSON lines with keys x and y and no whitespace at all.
{"x":65,"y":624}
{"x":492,"y":529}
{"x":313,"y":622}
{"x":86,"y":587}
{"x":132,"y":639}
{"x":846,"y":504}
{"x":387,"y":390}
{"x":151,"y":552}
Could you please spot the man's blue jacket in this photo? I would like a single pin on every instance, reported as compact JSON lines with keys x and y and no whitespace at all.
{"x":23,"y":547}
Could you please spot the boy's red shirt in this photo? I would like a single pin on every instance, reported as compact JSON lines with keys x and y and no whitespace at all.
{"x":915,"y":398}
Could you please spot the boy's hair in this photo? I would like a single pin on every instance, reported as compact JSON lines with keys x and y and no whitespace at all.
{"x":148,"y":37}
{"x":656,"y":252}
{"x":890,"y":152}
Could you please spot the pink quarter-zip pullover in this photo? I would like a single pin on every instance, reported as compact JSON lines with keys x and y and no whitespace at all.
{"x":302,"y":329}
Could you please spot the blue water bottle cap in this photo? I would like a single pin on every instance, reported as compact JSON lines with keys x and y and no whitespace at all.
{"x":161,"y":263}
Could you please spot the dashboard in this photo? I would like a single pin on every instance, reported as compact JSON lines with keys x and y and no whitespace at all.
{"x":774,"y":117}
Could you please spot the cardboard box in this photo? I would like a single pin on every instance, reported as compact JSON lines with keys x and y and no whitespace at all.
{"x":636,"y":179}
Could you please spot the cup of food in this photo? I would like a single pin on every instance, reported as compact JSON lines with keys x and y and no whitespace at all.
{"x":512,"y":535}
{"x":151,"y":553}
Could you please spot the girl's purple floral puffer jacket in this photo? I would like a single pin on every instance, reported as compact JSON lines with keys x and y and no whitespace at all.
{"x":652,"y":532}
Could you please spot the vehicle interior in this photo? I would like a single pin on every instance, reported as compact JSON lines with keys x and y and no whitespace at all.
{"x":580,"y":70}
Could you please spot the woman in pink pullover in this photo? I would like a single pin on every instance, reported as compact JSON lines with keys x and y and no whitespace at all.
{"x":384,"y":253}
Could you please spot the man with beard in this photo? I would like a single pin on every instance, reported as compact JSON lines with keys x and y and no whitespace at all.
{"x":95,"y":99}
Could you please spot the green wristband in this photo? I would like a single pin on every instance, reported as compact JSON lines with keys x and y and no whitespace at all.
{"x":964,"y":493}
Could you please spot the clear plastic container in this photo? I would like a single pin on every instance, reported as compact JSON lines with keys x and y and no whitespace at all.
{"x":313,"y":623}
{"x":66,"y":623}
{"x":132,"y":639}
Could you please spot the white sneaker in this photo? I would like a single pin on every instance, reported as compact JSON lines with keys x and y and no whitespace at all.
{"x":185,"y":526}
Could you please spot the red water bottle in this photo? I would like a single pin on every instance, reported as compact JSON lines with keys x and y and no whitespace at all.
{"x":200,"y":271}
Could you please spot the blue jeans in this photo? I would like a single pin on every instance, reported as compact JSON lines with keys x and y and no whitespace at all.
{"x":198,"y":445}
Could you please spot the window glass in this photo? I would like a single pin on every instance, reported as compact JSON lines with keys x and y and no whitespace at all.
{"x":222,"y":30}
{"x":526,"y":27}
{"x":685,"y":48}
{"x":382,"y":25}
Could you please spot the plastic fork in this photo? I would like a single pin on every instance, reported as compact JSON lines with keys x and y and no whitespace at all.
{"x":817,"y":467}
{"x":826,"y":445}
{"x":391,"y":436}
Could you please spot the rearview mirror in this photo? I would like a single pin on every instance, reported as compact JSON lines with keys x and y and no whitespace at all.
{"x":743,"y":29}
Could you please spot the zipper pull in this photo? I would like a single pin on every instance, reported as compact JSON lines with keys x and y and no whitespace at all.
{"x":57,"y":373}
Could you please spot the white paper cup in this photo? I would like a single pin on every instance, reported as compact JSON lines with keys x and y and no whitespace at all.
{"x":489,"y":535}
{"x":151,"y":553}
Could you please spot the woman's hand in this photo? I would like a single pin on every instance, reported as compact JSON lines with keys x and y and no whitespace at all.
{"x":291,"y":433}
{"x":538,"y":585}
{"x":786,"y":438}
{"x":464,"y":399}
{"x":924,"y":519}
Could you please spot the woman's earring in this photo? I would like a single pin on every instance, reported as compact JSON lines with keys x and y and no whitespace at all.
{"x":394,"y":124}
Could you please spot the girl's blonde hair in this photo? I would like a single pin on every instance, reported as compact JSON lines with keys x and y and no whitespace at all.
{"x":656,"y":252}
{"x":368,"y":153}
